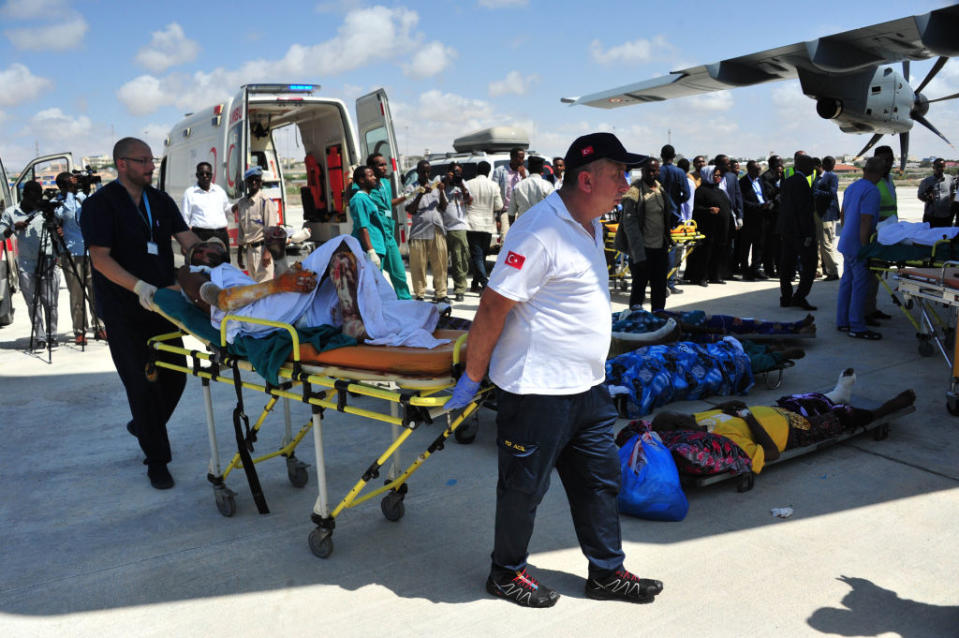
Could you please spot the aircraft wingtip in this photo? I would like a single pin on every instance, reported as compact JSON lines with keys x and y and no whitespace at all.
{"x":568,"y":100}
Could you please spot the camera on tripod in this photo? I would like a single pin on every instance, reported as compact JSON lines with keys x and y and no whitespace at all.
{"x":86,"y":179}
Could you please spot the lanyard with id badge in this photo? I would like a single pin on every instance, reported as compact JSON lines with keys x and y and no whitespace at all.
{"x":152,"y":248}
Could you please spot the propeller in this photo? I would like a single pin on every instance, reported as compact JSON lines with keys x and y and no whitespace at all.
{"x":918,"y":112}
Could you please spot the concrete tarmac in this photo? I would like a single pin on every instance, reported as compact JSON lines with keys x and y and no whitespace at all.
{"x":90,"y":549}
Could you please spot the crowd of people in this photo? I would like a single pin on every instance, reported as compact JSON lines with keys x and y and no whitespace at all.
{"x":778,"y":223}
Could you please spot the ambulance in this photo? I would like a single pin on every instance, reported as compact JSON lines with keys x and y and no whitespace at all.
{"x":242,"y":132}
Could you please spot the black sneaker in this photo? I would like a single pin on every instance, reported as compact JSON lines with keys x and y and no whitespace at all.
{"x":521,"y":588}
{"x":159,"y":476}
{"x":624,"y":585}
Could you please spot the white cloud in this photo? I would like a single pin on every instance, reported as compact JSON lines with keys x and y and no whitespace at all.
{"x":501,"y":4}
{"x":514,"y":83}
{"x":143,"y":95}
{"x":168,"y":47}
{"x":430,"y":60}
{"x":18,"y":84}
{"x":30,"y":9}
{"x":635,"y":52}
{"x":154,"y":134}
{"x":58,"y":36}
{"x":714,"y":101}
{"x":367,"y":36}
{"x":55,"y":122}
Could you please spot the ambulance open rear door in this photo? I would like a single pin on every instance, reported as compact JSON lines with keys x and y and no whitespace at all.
{"x":374,"y":127}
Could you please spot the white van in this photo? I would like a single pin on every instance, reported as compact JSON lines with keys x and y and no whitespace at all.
{"x":241,"y":132}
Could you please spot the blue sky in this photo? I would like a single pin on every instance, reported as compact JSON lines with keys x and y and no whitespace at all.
{"x":78,"y":74}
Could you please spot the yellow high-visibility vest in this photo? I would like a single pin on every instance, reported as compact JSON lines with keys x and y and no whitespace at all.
{"x":789,"y":173}
{"x":887,"y":200}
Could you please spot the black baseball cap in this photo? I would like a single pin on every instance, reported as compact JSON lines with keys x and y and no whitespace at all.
{"x":597,"y":146}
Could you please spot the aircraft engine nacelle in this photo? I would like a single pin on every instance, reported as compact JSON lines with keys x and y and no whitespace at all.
{"x":829,"y":108}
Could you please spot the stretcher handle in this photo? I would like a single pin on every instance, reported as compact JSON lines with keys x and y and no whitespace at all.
{"x":262,"y":322}
{"x":457,"y":346}
{"x":945,"y":264}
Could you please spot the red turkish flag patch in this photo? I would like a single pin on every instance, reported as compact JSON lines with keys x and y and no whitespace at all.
{"x":514,"y":260}
{"x":587,"y":151}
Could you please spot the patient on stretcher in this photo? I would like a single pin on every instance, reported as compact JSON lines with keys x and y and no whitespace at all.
{"x":333,"y":286}
{"x":798,"y":420}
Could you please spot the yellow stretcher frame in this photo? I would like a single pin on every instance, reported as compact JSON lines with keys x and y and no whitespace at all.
{"x":421,"y":399}
{"x":618,"y":263}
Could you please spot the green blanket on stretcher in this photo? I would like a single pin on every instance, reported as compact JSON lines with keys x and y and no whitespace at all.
{"x":267,"y":353}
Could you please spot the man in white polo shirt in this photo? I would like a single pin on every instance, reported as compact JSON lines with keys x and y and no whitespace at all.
{"x":543,"y":329}
{"x":205,"y":206}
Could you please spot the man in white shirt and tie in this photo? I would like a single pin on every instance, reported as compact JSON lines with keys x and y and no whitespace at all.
{"x":205,"y":206}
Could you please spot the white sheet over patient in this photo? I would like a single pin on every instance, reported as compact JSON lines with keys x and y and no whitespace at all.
{"x":388,"y":320}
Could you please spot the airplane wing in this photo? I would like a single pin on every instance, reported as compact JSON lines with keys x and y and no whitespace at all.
{"x":912,"y":38}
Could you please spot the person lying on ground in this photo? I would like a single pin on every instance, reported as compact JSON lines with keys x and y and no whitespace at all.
{"x":798,"y":420}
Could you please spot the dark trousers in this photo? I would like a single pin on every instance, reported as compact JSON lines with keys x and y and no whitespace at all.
{"x":772,"y":243}
{"x":151,"y":402}
{"x":572,"y":433}
{"x":220,"y":233}
{"x":652,"y":271}
{"x":751,"y":238}
{"x":807,"y":256}
{"x":478,"y":243}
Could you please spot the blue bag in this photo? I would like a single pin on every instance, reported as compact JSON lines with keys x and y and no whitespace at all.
{"x":650,"y":487}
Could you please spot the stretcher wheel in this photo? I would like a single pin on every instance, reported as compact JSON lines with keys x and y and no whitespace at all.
{"x":321,"y":542}
{"x":622,"y":285}
{"x":881,"y":432}
{"x":392,"y":506}
{"x":746,"y":482}
{"x":925,"y":348}
{"x":466,"y":432}
{"x":953,"y":406}
{"x":296,"y":472}
{"x":225,"y":502}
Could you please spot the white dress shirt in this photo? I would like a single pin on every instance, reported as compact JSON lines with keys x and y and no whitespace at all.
{"x":528,"y":193}
{"x":486,"y":199}
{"x":205,"y":209}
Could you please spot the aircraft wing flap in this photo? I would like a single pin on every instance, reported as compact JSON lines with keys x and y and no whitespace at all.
{"x":915,"y":37}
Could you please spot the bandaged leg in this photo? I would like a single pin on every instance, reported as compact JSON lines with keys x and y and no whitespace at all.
{"x":342,"y":270}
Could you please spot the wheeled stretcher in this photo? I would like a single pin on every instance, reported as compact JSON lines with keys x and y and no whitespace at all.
{"x":927,"y":287}
{"x":412,"y":381}
{"x":887,"y":262}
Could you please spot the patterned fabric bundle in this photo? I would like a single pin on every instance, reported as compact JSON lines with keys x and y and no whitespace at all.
{"x":696,"y":453}
{"x":656,"y":375}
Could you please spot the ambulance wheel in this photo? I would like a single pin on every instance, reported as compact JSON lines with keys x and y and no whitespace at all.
{"x":297,"y":474}
{"x":925,"y":348}
{"x":225,"y":503}
{"x":881,"y":432}
{"x":321,"y":542}
{"x":953,"y":406}
{"x":746,"y":482}
{"x":392,"y":506}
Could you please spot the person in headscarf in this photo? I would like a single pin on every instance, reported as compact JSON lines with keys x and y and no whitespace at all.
{"x":711,"y":211}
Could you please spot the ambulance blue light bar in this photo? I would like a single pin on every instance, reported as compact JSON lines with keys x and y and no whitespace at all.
{"x":282,"y":88}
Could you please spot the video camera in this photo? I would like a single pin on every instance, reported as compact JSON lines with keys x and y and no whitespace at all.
{"x":86,"y":179}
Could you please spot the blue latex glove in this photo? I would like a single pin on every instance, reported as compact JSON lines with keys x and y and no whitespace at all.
{"x":463,"y":393}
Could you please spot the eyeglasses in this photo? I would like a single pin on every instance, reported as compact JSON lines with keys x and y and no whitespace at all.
{"x":139,"y":160}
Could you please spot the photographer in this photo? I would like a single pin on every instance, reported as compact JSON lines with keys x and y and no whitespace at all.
{"x":32,"y":221}
{"x":75,"y":264}
{"x":454,"y":221}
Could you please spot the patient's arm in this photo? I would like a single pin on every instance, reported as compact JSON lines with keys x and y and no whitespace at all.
{"x":227,"y":299}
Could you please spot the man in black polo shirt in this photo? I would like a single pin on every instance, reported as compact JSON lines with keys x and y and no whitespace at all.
{"x":127,"y":226}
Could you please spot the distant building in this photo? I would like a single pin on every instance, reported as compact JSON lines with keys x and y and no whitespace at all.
{"x":846,"y":168}
{"x":96,"y":162}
